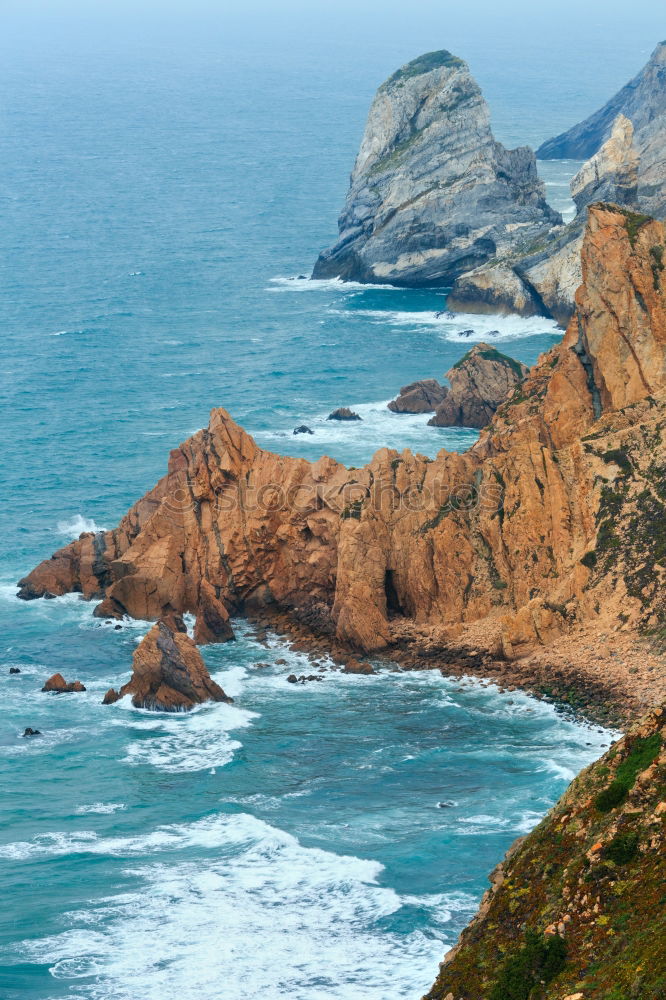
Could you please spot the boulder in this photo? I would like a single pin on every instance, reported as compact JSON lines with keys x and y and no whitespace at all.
{"x":480,"y":382}
{"x":31,"y":732}
{"x":343,"y":413}
{"x":419,"y":397}
{"x":14,"y":670}
{"x":303,"y":429}
{"x":168,"y":674}
{"x":355,"y":667}
{"x":58,"y":685}
{"x":111,"y":697}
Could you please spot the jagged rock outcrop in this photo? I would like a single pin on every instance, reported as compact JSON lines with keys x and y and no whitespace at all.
{"x":343,"y":413}
{"x":58,"y":685}
{"x":522,"y":533}
{"x":419,"y":397}
{"x":168,"y":674}
{"x":612,"y":173}
{"x":626,"y":143}
{"x":432,"y":193}
{"x":544,"y":280}
{"x":576,"y":908}
{"x":642,"y":101}
{"x":480,"y":382}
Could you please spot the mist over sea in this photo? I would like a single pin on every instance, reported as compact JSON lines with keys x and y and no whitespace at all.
{"x":164,"y":190}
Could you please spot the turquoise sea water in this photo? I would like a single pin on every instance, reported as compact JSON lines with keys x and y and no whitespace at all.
{"x":161,"y":194}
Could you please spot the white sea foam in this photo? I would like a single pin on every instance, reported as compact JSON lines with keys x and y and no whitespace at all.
{"x":303,"y":284}
{"x":268,"y":918}
{"x":101,"y":808}
{"x":560,"y":770}
{"x":192,"y":741}
{"x":75,"y":526}
{"x":378,"y":428}
{"x":493,"y":329}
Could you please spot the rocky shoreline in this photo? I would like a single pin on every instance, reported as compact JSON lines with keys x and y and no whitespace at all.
{"x":609,"y":680}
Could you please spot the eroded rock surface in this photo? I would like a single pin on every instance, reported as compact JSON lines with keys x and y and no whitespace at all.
{"x":642,"y":101}
{"x":480,"y":382}
{"x":343,"y":413}
{"x":432,"y":193}
{"x":168,"y":674}
{"x":544,"y":279}
{"x":58,"y":685}
{"x":521,"y":535}
{"x":419,"y":397}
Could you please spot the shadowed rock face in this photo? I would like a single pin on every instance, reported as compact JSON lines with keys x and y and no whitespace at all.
{"x":419,"y":397}
{"x":544,"y":280}
{"x":480,"y":383}
{"x":626,"y":145}
{"x":521,"y":532}
{"x":642,"y":101}
{"x":432,"y":193}
{"x":168,"y":674}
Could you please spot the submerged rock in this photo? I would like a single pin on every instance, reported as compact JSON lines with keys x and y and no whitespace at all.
{"x":419,"y":397}
{"x":31,"y":732}
{"x":58,"y":685}
{"x":168,"y":674}
{"x":14,"y":670}
{"x":480,"y":382}
{"x":343,"y":413}
{"x":432,"y":193}
{"x":303,"y":429}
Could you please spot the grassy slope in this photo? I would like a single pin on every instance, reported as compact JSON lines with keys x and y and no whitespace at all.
{"x":578,"y":907}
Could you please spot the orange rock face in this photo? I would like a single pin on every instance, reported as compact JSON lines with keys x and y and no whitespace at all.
{"x":58,"y":685}
{"x":546,"y":522}
{"x":480,"y":382}
{"x":168,"y":674}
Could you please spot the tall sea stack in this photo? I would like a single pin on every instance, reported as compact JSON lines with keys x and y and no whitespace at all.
{"x":432,"y":193}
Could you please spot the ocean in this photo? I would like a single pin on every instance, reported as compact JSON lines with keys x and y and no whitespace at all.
{"x":165,"y":188}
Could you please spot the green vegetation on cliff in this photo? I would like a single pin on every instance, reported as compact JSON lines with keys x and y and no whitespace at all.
{"x":578,"y":908}
{"x":425,"y":64}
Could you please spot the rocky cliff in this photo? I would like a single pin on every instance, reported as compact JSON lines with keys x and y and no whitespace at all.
{"x":432,"y":193}
{"x":642,"y":101}
{"x":576,"y":909}
{"x":553,"y":520}
{"x":480,"y":382}
{"x":544,"y":280}
{"x":626,"y":145}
